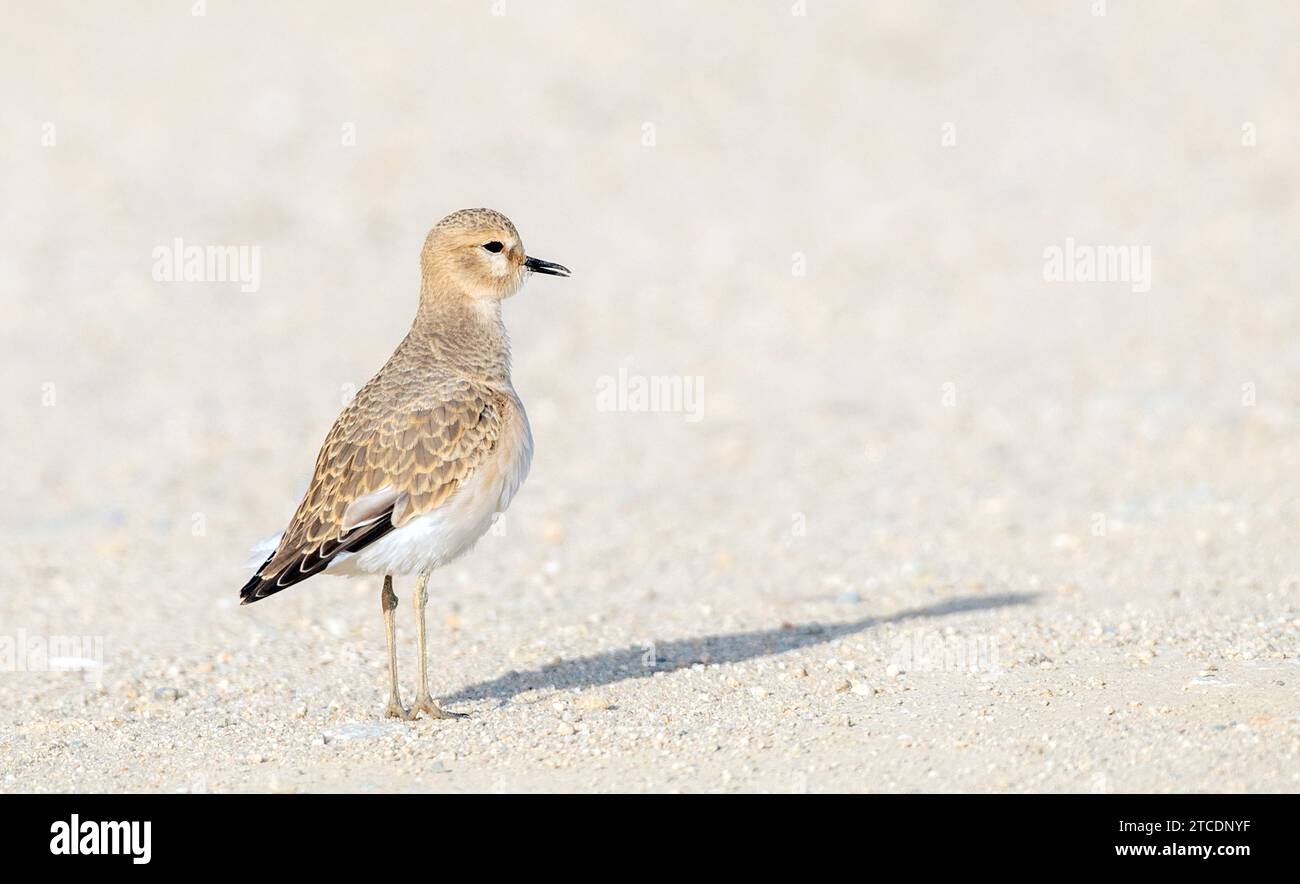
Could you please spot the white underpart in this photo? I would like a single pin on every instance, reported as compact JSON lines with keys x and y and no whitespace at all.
{"x":435,"y":538}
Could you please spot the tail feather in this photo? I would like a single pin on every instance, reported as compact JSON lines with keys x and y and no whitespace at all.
{"x":256,"y":560}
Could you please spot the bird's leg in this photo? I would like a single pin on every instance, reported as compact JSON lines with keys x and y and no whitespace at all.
{"x":423,"y":701}
{"x":388,"y":601}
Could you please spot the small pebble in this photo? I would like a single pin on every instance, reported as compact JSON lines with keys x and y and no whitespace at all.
{"x":592,"y":702}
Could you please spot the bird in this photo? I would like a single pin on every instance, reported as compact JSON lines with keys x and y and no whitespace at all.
{"x":431,"y":450}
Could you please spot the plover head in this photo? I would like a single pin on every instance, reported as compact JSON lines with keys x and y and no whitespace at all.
{"x":478,"y":253}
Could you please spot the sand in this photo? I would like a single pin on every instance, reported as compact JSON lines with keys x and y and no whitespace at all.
{"x":903,"y":511}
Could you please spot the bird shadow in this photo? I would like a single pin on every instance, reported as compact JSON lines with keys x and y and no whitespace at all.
{"x":645,"y":660}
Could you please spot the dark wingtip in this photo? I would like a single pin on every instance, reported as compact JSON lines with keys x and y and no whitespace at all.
{"x":249,"y":593}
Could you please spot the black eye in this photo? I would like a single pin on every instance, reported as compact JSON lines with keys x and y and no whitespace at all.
{"x":493,"y":246}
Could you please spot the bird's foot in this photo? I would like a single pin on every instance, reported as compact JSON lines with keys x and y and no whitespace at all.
{"x":429,"y":706}
{"x":397,"y":710}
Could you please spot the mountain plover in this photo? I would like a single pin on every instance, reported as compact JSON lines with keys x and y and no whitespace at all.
{"x":431,"y":449}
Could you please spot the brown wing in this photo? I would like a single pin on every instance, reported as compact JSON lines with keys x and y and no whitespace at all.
{"x":382,"y":464}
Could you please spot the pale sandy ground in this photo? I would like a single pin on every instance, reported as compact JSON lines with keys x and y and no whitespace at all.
{"x":1078,"y":572}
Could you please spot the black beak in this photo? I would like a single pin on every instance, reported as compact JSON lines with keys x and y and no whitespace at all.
{"x":537,"y":265}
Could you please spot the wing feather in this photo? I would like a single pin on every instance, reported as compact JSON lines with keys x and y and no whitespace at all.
{"x":383,"y":463}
